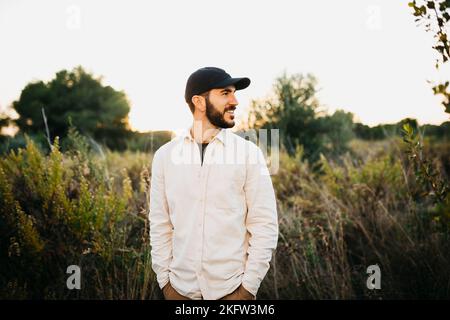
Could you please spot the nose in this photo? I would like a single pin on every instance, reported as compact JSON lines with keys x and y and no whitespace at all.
{"x":232,"y":100}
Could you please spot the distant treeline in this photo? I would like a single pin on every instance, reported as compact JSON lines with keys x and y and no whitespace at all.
{"x":132,"y":140}
{"x":77,"y":99}
{"x":383,"y":131}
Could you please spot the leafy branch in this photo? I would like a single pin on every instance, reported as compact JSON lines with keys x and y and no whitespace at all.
{"x":436,"y":16}
{"x":428,"y":177}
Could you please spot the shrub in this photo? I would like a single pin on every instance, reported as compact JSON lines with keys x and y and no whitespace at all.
{"x":62,"y":209}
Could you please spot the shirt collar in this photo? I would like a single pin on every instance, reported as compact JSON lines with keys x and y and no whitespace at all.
{"x":221,"y":135}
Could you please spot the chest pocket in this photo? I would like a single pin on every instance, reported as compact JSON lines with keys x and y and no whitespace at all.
{"x":226,"y":186}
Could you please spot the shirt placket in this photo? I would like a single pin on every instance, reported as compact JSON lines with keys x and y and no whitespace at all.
{"x":203,"y":171}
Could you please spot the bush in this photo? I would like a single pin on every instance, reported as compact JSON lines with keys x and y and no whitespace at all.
{"x":63,"y":209}
{"x":357,"y":212}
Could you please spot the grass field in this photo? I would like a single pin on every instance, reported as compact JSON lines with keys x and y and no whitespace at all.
{"x":89,"y":208}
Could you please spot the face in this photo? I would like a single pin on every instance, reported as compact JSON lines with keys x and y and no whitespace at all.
{"x":220,"y":106}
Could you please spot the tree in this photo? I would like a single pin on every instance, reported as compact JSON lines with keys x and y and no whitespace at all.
{"x":436,"y":16}
{"x":78,"y":97}
{"x":294,"y":110}
{"x":4,"y":121}
{"x":339,"y":131}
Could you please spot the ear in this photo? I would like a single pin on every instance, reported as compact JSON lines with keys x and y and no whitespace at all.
{"x":199,"y":103}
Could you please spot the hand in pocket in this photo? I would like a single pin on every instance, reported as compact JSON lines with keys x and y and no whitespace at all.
{"x":171,"y":294}
{"x":239,"y":294}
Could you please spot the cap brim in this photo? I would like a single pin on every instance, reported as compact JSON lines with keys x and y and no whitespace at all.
{"x":238,"y":83}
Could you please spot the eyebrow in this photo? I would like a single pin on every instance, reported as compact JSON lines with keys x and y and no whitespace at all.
{"x":227,"y":90}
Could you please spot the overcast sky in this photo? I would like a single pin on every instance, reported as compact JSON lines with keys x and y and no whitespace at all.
{"x":369,"y":57}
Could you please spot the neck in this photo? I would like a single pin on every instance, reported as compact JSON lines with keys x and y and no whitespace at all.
{"x":203,"y":131}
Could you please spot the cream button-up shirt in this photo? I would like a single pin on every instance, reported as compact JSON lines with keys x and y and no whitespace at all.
{"x":213,"y":226}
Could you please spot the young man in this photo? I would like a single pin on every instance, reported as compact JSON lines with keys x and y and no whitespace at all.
{"x":213,"y":216}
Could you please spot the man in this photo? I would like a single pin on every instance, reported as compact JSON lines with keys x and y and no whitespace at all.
{"x":213,"y":217}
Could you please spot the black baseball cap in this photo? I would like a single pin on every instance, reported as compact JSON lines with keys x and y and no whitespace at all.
{"x":208,"y":78}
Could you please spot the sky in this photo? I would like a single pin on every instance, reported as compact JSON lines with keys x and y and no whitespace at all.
{"x":369,"y":57}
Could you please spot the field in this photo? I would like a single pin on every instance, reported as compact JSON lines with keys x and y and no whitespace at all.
{"x":88,"y":207}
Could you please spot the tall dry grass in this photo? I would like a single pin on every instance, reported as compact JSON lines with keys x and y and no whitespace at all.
{"x":80,"y":205}
{"x":359,"y":211}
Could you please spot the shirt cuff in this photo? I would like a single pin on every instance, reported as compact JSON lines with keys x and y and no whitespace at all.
{"x":250,"y":284}
{"x":163,"y":279}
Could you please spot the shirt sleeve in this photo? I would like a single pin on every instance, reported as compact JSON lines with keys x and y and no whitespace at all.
{"x":261,"y":221}
{"x":161,"y":228}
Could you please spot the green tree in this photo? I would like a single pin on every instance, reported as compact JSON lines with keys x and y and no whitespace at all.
{"x":4,"y":120}
{"x":293,"y":108}
{"x":339,"y":131}
{"x":96,"y":110}
{"x":435,"y":14}
{"x":383,"y":131}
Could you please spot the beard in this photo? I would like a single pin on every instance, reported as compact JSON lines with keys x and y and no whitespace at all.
{"x":216,"y":117}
